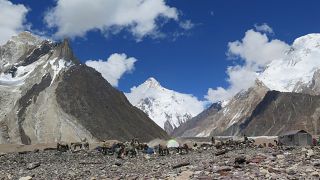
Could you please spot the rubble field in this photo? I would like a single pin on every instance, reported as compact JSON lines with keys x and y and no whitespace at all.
{"x":210,"y":163}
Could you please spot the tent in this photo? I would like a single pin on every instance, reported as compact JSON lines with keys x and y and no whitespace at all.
{"x":109,"y":143}
{"x":172,"y":144}
{"x":156,"y":142}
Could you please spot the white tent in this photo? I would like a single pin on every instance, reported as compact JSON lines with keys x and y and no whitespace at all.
{"x":156,"y":142}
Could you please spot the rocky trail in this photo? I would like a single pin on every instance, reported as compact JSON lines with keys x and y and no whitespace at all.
{"x":245,"y":163}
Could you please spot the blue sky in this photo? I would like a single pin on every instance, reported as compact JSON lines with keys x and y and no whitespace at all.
{"x":195,"y":61}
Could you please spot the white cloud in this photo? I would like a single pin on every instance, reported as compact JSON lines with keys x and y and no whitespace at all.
{"x":12,"y":19}
{"x":256,"y":51}
{"x":186,"y":25}
{"x":76,"y":17}
{"x":114,"y":68}
{"x":240,"y":78}
{"x":264,"y":28}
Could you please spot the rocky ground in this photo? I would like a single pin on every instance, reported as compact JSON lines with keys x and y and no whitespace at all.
{"x":245,"y":163}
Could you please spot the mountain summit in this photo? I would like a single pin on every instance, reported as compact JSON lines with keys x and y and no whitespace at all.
{"x":296,"y":68}
{"x":169,"y":109}
{"x":46,"y":96}
{"x":152,"y":83}
{"x":284,"y":97}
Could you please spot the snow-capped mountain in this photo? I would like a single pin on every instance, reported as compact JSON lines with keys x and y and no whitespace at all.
{"x":46,"y":96}
{"x":296,"y":68}
{"x":169,"y":109}
{"x":284,"y":97}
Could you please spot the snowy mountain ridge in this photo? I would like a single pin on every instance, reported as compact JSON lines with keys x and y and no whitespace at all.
{"x":296,"y":68}
{"x":14,"y":71}
{"x":297,"y":71}
{"x":169,"y":109}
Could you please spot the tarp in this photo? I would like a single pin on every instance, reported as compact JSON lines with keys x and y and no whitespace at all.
{"x":172,"y":143}
{"x":150,"y":151}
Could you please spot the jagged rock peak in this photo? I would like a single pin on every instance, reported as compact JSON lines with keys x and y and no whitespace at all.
{"x":64,"y":51}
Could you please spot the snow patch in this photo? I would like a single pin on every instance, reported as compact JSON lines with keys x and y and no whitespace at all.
{"x":6,"y":79}
{"x":235,"y":118}
{"x":263,"y":137}
{"x":57,"y":66}
{"x":203,"y":134}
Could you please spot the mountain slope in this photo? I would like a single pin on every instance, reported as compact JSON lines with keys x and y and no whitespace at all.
{"x":100,"y":105}
{"x":47,"y":96}
{"x":279,"y":112}
{"x":169,"y":109}
{"x":297,"y":72}
{"x":187,"y":129}
{"x":236,"y":110}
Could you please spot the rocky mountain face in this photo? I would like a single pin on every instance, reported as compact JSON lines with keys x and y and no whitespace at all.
{"x":193,"y":126}
{"x":263,"y":109}
{"x":282,"y":111}
{"x":169,"y":109}
{"x":46,"y":95}
{"x":218,"y":121}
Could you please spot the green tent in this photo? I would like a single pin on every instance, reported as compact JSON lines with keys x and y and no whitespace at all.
{"x":172,"y":143}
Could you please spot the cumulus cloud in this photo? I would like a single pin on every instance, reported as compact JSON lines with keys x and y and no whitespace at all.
{"x":140,"y":17}
{"x":256,"y":49}
{"x":255,"y":52}
{"x":114,"y":68}
{"x":263,"y":28}
{"x":12,"y":19}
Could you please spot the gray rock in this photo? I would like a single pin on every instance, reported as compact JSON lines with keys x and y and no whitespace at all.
{"x":33,"y":165}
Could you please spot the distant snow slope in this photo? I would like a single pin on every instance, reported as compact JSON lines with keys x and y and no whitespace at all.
{"x":296,"y":68}
{"x":169,"y":109}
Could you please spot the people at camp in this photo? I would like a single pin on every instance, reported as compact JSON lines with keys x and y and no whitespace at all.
{"x":163,"y":150}
{"x":278,"y":143}
{"x":135,"y":142}
{"x":245,"y":138}
{"x":314,"y":142}
{"x":75,"y":145}
{"x":63,"y":147}
{"x":160,"y":149}
{"x":186,"y":148}
{"x":121,"y":151}
{"x":130,"y":148}
{"x":143,"y":147}
{"x":213,"y":140}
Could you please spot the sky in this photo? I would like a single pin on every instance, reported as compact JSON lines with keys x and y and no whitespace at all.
{"x":209,"y":48}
